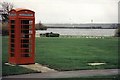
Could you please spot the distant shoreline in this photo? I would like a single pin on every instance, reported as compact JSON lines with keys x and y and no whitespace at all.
{"x":82,"y":27}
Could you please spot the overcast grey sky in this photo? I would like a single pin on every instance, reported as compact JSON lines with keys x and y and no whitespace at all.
{"x":71,"y":11}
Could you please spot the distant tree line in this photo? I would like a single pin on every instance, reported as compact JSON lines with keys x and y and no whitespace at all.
{"x":93,"y":27}
{"x":40,"y":26}
{"x":6,"y":7}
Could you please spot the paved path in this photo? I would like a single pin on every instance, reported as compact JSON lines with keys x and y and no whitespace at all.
{"x":68,"y":74}
{"x":38,"y":67}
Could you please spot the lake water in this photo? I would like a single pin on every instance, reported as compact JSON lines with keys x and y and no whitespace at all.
{"x":80,"y":32}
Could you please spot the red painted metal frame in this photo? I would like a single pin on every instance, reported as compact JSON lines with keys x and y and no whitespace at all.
{"x":17,"y":58}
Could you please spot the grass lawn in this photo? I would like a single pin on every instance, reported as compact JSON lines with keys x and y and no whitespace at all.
{"x":69,"y":54}
{"x":76,"y":53}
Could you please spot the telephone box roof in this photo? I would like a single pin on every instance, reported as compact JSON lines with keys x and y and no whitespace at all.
{"x":21,"y":9}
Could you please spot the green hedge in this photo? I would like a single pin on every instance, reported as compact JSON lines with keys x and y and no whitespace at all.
{"x":117,"y":34}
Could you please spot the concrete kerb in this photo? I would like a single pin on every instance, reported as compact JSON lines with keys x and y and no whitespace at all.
{"x":68,"y":74}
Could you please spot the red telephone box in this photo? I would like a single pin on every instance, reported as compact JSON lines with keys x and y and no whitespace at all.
{"x":21,"y":36}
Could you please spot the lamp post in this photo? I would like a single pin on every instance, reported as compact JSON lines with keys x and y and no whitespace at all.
{"x":91,"y":23}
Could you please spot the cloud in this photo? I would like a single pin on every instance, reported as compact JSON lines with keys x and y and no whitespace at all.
{"x":76,"y":11}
